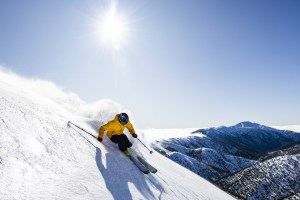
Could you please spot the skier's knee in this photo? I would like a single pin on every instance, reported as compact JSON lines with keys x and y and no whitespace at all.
{"x":122,"y":148}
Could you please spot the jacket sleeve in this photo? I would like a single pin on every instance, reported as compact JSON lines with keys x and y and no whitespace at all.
{"x":130,"y":128}
{"x":102,"y":129}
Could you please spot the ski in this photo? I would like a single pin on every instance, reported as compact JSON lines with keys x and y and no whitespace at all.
{"x":139,"y":165}
{"x":147,"y":165}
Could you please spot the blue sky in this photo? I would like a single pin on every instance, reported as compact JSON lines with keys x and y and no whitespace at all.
{"x":185,"y":63}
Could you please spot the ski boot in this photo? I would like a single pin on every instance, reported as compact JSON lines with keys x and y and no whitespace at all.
{"x":127,"y":153}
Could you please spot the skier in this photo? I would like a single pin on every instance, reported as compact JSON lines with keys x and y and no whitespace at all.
{"x":114,"y":131}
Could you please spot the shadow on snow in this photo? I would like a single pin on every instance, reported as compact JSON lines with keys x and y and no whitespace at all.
{"x":117,"y":177}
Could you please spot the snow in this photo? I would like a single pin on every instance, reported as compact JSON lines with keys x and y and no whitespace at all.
{"x":275,"y":178}
{"x":42,"y":158}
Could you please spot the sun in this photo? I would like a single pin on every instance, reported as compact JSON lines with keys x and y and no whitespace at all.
{"x":113,"y":27}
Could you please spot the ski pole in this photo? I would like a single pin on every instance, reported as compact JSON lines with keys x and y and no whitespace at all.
{"x":69,"y":122}
{"x":145,"y":146}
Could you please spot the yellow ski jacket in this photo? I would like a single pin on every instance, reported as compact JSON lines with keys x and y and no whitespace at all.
{"x":114,"y":127}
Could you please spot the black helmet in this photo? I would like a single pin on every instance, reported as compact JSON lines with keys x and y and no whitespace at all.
{"x":123,"y":118}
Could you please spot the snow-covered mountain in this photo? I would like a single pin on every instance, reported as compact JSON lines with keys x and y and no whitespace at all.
{"x":42,"y":158}
{"x":277,"y":178}
{"x":248,"y":160}
{"x":196,"y":154}
{"x":289,"y":150}
{"x":251,"y":139}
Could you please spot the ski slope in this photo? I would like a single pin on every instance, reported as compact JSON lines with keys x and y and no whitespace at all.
{"x":42,"y":158}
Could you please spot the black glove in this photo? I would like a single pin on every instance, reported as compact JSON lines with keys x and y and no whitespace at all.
{"x":99,"y":139}
{"x":134,"y":135}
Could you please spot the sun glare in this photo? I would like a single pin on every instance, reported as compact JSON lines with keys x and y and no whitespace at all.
{"x":113,"y":27}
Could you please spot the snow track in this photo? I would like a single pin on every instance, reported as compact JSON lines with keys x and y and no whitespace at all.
{"x":42,"y":158}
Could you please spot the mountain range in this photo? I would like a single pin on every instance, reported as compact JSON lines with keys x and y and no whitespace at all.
{"x":248,"y":160}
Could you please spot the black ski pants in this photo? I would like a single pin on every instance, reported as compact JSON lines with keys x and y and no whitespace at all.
{"x":122,"y":141}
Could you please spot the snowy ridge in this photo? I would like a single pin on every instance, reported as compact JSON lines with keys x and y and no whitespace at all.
{"x":251,"y":139}
{"x":207,"y":162}
{"x":248,"y":160}
{"x":42,"y":158}
{"x":276,"y":178}
{"x":290,"y":150}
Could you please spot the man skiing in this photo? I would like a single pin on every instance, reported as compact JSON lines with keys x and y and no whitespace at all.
{"x":114,"y":131}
